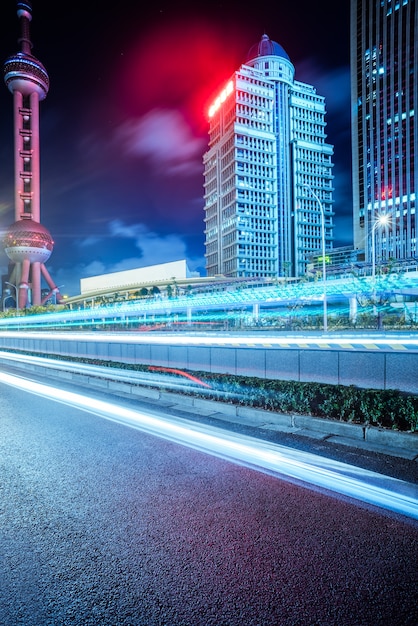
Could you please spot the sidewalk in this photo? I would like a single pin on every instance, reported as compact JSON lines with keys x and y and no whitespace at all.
{"x":383,"y":441}
{"x":380,"y":440}
{"x":121,"y":382}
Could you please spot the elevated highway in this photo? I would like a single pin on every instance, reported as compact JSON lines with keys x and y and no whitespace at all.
{"x":373,"y":361}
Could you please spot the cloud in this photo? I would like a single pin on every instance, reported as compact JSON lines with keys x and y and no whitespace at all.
{"x":87,"y":242}
{"x":6,"y":209}
{"x":68,"y":278}
{"x":165,"y":138}
{"x":155,"y":248}
{"x":333,"y":84}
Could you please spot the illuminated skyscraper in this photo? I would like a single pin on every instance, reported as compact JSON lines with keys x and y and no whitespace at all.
{"x":384,"y":87}
{"x":268,"y":171}
{"x":27,"y":243}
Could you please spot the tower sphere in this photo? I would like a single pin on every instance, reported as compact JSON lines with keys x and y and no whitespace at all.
{"x":28,"y":240}
{"x":24,"y":73}
{"x":24,"y":8}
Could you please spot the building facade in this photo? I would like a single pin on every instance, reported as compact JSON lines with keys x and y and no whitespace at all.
{"x":138,"y":276}
{"x":267,"y":171}
{"x":384,"y":88}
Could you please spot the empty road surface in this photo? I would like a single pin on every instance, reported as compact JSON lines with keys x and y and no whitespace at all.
{"x":103,"y":524}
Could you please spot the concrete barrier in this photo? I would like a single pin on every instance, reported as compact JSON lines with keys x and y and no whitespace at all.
{"x":356,"y":433}
{"x":369,"y":369}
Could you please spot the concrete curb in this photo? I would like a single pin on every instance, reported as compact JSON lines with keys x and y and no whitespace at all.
{"x":380,"y":440}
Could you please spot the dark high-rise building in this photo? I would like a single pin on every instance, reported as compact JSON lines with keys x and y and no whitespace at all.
{"x":268,"y":171}
{"x":384,"y":75}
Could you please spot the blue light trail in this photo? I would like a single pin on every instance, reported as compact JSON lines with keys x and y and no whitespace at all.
{"x":349,"y":341}
{"x":303,"y":468}
{"x":273,"y":301}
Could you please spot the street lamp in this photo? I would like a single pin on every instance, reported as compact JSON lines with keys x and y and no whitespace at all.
{"x":55,"y":291}
{"x":324,"y":267}
{"x":16,"y":294}
{"x":381,"y":220}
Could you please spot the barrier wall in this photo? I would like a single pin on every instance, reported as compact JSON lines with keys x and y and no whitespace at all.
{"x":367,"y":369}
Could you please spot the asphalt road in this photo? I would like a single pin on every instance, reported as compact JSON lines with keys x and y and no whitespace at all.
{"x":101,"y":524}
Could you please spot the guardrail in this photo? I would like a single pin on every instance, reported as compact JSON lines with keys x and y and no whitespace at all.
{"x":364,"y":361}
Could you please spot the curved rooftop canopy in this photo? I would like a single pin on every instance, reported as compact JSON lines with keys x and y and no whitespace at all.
{"x":266,"y":47}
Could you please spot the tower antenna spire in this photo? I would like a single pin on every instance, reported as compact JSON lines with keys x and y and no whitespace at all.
{"x":24,"y":13}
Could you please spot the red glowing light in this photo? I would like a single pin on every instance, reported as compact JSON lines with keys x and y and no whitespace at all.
{"x":221,"y":98}
{"x":387,"y":193}
{"x":173,"y":370}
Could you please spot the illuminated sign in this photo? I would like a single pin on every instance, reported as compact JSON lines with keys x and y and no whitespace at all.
{"x":221,"y":98}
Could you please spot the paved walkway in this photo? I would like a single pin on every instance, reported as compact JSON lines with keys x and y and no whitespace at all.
{"x":123,"y":382}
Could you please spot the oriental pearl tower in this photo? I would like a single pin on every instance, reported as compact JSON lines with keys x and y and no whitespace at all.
{"x":27,"y":243}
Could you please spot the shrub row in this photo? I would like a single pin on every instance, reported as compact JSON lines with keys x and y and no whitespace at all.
{"x":384,"y":408}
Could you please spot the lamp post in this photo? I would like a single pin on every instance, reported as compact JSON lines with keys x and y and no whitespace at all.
{"x":16,"y":294}
{"x":381,"y":220}
{"x":324,"y":267}
{"x":55,"y":291}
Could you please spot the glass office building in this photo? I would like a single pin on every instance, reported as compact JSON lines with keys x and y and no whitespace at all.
{"x":384,"y":87}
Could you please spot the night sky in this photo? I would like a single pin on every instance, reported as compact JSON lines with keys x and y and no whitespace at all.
{"x":124,"y":126}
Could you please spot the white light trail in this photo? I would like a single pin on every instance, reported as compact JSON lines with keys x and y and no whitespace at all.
{"x":224,"y":303}
{"x":224,"y":339}
{"x":308,"y":469}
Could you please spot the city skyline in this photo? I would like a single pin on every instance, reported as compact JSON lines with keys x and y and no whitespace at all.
{"x":121,"y":164}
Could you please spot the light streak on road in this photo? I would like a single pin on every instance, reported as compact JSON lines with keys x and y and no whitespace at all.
{"x":224,"y":339}
{"x":303,"y":468}
{"x":160,"y":377}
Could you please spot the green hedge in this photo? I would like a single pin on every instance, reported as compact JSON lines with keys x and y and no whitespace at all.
{"x":384,"y":408}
